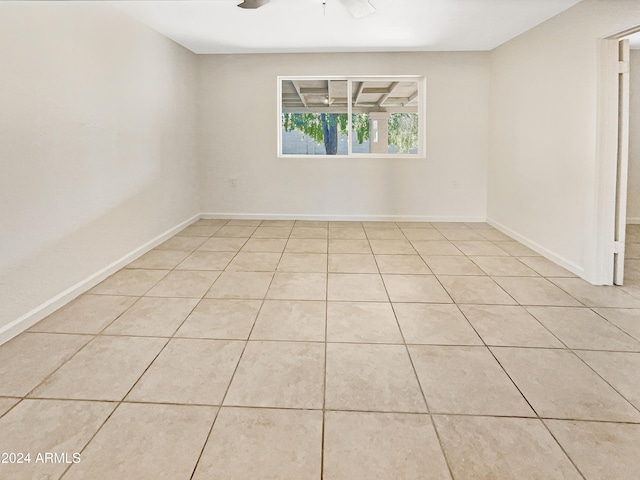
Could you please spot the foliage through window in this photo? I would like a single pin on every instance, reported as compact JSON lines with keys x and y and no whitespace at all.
{"x":351,"y":116}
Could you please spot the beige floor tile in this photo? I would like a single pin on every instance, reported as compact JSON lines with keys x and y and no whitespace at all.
{"x":212,"y":222}
{"x":600,"y":450}
{"x":159,"y":259}
{"x":347,"y":233}
{"x":466,"y":380}
{"x":142,"y":441}
{"x":558,"y":384}
{"x":104,"y":370}
{"x":545,"y":267}
{"x":447,"y":225}
{"x":412,"y":225}
{"x":272,"y":232}
{"x":291,"y":320}
{"x":385,"y":234}
{"x":187,"y":244}
{"x":150,"y":316}
{"x":517,"y":249}
{"x":633,"y":251}
{"x":311,"y":223}
{"x":392,"y":247}
{"x":86,"y":314}
{"x":273,"y":245}
{"x":201,"y":260}
{"x":39,"y":426}
{"x":495,"y":236}
{"x":20,"y":373}
{"x":254,"y":262}
{"x":627,"y":319}
{"x":479,"y":247}
{"x":452,"y":265}
{"x":230,"y":231}
{"x":199,"y":231}
{"x":415,"y":288}
{"x":129,"y":281}
{"x":303,"y":263}
{"x":482,"y":226}
{"x":337,"y":245}
{"x":6,"y":404}
{"x":356,"y":287}
{"x":298,"y":286}
{"x":278,"y":223}
{"x":345,"y":224}
{"x":244,"y":223}
{"x":475,"y":290}
{"x":189,"y":371}
{"x":619,"y":369}
{"x":223,"y":244}
{"x":633,"y":290}
{"x":381,"y":446}
{"x":461,"y":234}
{"x":596,"y":296}
{"x":309,"y":232}
{"x":379,"y":224}
{"x":362,"y":322}
{"x":632,"y":269}
{"x":250,"y":444}
{"x":435,"y":247}
{"x":279,"y":375}
{"x":185,"y":284}
{"x":221,"y":318}
{"x":422,"y":234}
{"x":352,"y":263}
{"x":502,"y":448}
{"x":434,"y":324}
{"x":503,"y":266}
{"x":306,"y":245}
{"x":372,"y":378}
{"x":402,"y":264}
{"x":506,"y":325}
{"x":536,"y":291}
{"x":243,"y":285}
{"x":582,"y":328}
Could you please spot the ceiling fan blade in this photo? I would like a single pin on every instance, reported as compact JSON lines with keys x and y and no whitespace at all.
{"x":359,"y":8}
{"x":253,"y":3}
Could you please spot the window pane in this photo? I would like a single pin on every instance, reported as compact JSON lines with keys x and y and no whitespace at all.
{"x":314,"y":117}
{"x":385,"y":117}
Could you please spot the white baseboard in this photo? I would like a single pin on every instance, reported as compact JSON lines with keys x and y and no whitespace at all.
{"x":338,"y":218}
{"x":10,"y":330}
{"x":633,"y":220}
{"x":32,"y":317}
{"x":563,"y":262}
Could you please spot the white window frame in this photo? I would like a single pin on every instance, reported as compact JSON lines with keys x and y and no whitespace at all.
{"x":422,"y":110}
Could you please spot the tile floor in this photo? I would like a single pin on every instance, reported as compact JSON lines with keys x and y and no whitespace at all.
{"x":245,"y":350}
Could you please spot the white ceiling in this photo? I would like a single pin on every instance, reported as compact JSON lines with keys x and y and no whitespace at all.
{"x":218,"y":26}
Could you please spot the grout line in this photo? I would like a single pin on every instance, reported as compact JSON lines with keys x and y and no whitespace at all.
{"x":204,"y":445}
{"x":324,"y":385}
{"x":537,"y":415}
{"x":326,"y":343}
{"x":417,"y":379}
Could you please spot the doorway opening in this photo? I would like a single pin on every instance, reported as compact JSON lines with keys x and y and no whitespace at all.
{"x":631,"y":268}
{"x":619,"y":159}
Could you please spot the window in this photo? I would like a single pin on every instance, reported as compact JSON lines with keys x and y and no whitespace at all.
{"x":351,"y":116}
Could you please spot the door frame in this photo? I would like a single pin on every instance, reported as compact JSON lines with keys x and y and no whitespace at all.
{"x":607,"y":157}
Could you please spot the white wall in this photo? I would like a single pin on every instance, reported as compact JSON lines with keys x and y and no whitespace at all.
{"x":239,"y":127}
{"x":542,"y":169}
{"x":633,"y":198}
{"x":97,"y":145}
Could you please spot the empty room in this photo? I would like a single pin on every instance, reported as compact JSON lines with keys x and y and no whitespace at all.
{"x":320,"y":239}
